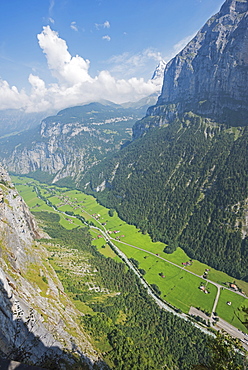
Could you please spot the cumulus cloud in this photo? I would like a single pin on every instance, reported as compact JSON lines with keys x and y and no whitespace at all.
{"x":73,"y":85}
{"x":74,"y":26}
{"x":106,"y":37}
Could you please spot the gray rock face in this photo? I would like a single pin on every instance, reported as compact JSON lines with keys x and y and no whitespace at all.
{"x":35,"y":325}
{"x":210,"y":75}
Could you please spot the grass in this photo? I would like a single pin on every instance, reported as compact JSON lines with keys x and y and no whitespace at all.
{"x":177,"y":287}
{"x":103,"y":247}
{"x":34,"y":276}
{"x":233,"y":313}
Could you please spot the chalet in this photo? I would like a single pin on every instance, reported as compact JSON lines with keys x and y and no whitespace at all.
{"x":188,"y":263}
{"x":203,"y":289}
{"x":99,"y":236}
{"x":234,"y":286}
{"x":229,"y":303}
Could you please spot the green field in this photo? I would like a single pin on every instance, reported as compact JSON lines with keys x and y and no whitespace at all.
{"x":233,"y":313}
{"x":177,"y":287}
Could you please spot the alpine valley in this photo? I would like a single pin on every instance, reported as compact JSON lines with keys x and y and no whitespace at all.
{"x":178,"y":177}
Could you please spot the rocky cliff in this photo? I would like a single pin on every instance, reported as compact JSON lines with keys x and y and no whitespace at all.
{"x":36,"y":316}
{"x":210,"y":75}
{"x":71,"y":141}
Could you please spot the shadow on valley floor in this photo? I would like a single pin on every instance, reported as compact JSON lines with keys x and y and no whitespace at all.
{"x":29,"y":344}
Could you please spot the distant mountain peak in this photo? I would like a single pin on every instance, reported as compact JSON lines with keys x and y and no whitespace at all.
{"x":158,"y":74}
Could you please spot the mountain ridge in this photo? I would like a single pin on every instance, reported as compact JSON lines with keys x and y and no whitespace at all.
{"x":210,"y":75}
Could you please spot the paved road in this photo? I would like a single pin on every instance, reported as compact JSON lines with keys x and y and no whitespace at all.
{"x":234,"y":332}
{"x":215,"y":303}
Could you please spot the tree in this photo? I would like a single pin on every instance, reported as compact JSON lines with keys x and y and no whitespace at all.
{"x":224,"y":356}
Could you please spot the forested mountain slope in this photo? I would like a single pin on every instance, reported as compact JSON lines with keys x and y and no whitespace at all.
{"x":184,"y":177}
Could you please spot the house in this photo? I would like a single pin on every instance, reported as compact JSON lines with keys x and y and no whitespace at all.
{"x":234,"y":286}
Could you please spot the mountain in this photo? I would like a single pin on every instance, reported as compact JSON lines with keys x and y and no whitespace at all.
{"x":184,"y":178}
{"x":210,"y":75}
{"x":13,"y":121}
{"x":38,"y":321}
{"x":158,"y":74}
{"x":71,"y":141}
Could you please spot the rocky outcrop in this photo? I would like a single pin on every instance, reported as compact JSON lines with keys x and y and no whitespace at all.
{"x":36,"y":319}
{"x":210,"y":75}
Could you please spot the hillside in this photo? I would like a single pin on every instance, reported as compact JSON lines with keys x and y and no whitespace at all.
{"x":38,"y":320}
{"x":183,"y":179}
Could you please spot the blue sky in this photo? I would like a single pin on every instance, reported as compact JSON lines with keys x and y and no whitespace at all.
{"x":64,"y":52}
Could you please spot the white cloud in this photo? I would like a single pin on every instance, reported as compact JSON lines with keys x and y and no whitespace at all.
{"x":74,"y":84}
{"x":182,"y":43}
{"x":106,"y":24}
{"x":107,"y":37}
{"x":74,"y":26}
{"x":51,"y":6}
{"x":51,"y":20}
{"x":127,"y":64}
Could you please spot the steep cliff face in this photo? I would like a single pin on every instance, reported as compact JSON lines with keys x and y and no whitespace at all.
{"x":210,"y":75}
{"x":36,"y":316}
{"x":72,"y":141}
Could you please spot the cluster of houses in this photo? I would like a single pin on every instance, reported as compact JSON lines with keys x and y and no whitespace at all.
{"x":111,"y":232}
{"x":116,"y":232}
{"x":188,"y":263}
{"x":96,"y":216}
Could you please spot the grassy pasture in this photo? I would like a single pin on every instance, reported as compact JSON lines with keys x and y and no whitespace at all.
{"x":177,"y":287}
{"x":233,"y":313}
